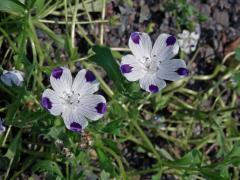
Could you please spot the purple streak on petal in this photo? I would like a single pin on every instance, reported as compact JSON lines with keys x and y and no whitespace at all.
{"x":171,"y":40}
{"x":76,"y":127}
{"x":46,"y":103}
{"x":153,"y":88}
{"x":182,"y":71}
{"x":101,"y":108}
{"x":90,"y":77}
{"x":135,"y":37}
{"x":126,"y":68}
{"x":57,"y":72}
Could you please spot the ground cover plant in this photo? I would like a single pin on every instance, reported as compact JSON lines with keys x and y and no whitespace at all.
{"x":100,"y":89}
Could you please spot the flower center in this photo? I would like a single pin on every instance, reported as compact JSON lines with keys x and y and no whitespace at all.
{"x":150,"y":65}
{"x":71,"y":98}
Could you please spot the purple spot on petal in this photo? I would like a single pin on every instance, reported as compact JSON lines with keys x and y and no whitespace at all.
{"x":90,"y":77}
{"x":76,"y":127}
{"x":101,"y":108}
{"x":126,"y":68}
{"x":171,"y":40}
{"x":57,"y":72}
{"x":182,"y":71}
{"x":153,"y":88}
{"x":46,"y":103}
{"x":135,"y":37}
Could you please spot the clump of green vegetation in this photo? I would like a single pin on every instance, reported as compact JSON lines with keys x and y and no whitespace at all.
{"x":186,"y":15}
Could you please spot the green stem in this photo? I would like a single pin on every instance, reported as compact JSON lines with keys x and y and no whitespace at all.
{"x":208,"y":77}
{"x":6,"y":136}
{"x":3,"y":88}
{"x":9,"y":39}
{"x":88,"y":15}
{"x":78,"y":23}
{"x":67,"y":170}
{"x":83,"y":33}
{"x":102,"y":25}
{"x":24,"y":167}
{"x":145,"y":138}
{"x":121,"y":167}
{"x":74,"y":18}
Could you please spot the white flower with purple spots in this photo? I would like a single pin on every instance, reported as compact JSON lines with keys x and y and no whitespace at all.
{"x":12,"y":78}
{"x":153,"y":65}
{"x":188,"y":40}
{"x":74,"y":99}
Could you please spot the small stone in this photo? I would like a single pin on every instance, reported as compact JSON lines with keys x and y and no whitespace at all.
{"x":221,"y":17}
{"x":144,"y":14}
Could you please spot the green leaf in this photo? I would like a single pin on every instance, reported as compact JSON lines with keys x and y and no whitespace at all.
{"x":113,"y":126}
{"x":12,"y":151}
{"x":12,"y":6}
{"x":14,"y":146}
{"x":27,"y":118}
{"x":3,"y":165}
{"x":212,"y":174}
{"x":12,"y":110}
{"x":235,"y":152}
{"x":47,"y":166}
{"x":105,"y":162}
{"x":92,"y":5}
{"x":161,"y":101}
{"x":237,"y":53}
{"x":54,"y":132}
{"x":165,"y":154}
{"x":193,"y":158}
{"x":112,"y":145}
{"x":104,"y":175}
{"x":104,"y":58}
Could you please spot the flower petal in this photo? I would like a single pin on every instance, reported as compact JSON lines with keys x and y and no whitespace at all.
{"x":61,"y":80}
{"x":151,"y":83}
{"x":165,"y":48}
{"x":85,"y":83}
{"x":13,"y":77}
{"x":73,"y":120}
{"x":140,"y":44}
{"x":185,"y":34}
{"x":92,"y":106}
{"x":131,"y":68}
{"x":172,"y":70}
{"x":52,"y":102}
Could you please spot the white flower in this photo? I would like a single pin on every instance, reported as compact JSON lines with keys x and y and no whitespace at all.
{"x":74,"y":100}
{"x":2,"y":127}
{"x":188,"y":41}
{"x":12,"y":78}
{"x":152,"y":66}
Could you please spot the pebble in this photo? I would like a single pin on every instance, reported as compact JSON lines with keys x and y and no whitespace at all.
{"x":221,"y":17}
